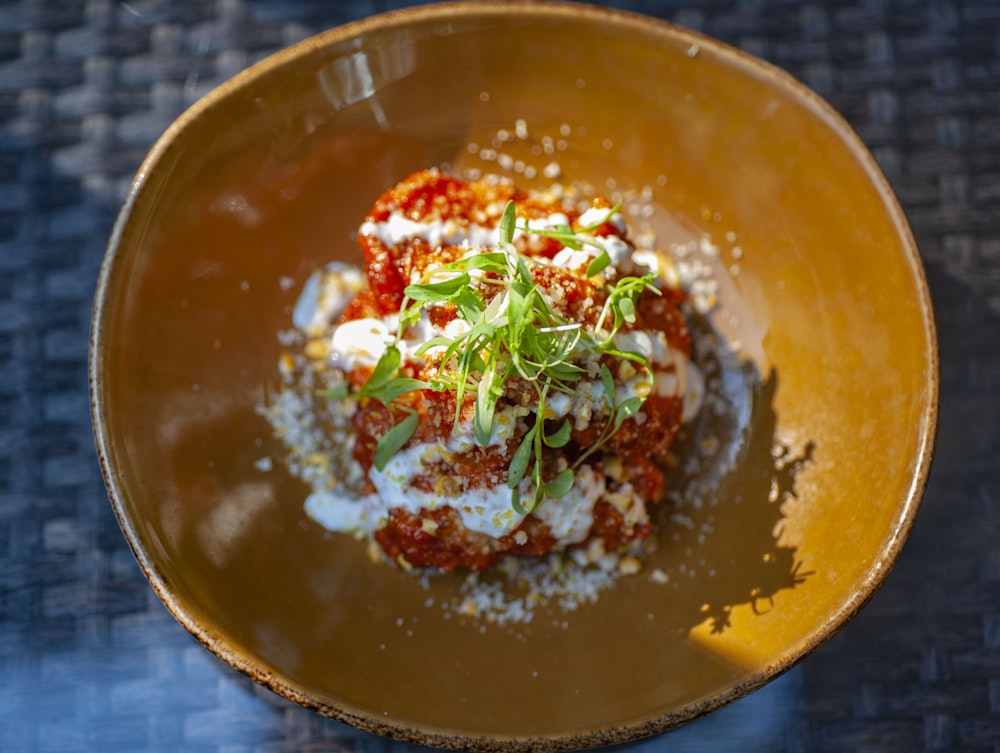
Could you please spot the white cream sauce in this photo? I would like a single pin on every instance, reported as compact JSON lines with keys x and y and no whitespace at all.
{"x":324,"y":296}
{"x":484,"y":510}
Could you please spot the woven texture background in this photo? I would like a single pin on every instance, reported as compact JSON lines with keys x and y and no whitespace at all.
{"x":89,"y":658}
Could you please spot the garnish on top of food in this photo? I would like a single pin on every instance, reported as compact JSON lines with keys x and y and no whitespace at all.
{"x":503,"y":380}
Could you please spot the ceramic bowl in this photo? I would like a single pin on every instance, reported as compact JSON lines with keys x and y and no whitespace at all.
{"x":768,"y":549}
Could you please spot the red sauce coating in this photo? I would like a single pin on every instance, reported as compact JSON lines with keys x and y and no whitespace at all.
{"x":438,"y":538}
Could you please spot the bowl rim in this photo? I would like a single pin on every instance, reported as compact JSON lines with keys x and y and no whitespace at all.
{"x":110,"y":272}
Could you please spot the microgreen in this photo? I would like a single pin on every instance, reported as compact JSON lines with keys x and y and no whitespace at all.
{"x":576,"y":239}
{"x":337,"y":392}
{"x":511,"y":332}
{"x":394,"y":439}
{"x":385,"y":385}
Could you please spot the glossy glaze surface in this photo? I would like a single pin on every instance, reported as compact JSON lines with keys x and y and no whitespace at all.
{"x":268,"y":178}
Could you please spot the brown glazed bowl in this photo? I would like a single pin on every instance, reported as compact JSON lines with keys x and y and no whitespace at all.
{"x":778,"y":543}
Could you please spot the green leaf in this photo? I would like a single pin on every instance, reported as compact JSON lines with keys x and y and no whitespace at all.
{"x":519,"y":462}
{"x":507,"y":223}
{"x":518,"y":311}
{"x":409,"y":315}
{"x":522,"y":272}
{"x":492,"y":261}
{"x":627,"y":409}
{"x":385,"y":369}
{"x":627,"y":309}
{"x":561,"y":437}
{"x":565,"y":372}
{"x":536,"y":479}
{"x":566,"y":235}
{"x":561,"y":484}
{"x":599,"y":263}
{"x":336,"y":393}
{"x":486,"y":400}
{"x":515,"y":502}
{"x":437,"y":292}
{"x":399,"y":386}
{"x":482,"y":331}
{"x":469,"y":303}
{"x":393,"y":440}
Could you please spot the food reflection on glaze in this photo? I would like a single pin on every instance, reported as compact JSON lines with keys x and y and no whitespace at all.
{"x":502,"y":379}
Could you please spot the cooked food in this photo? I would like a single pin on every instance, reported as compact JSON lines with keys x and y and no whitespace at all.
{"x":503,"y":378}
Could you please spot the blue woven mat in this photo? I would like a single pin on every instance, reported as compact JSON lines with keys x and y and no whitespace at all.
{"x":89,"y":658}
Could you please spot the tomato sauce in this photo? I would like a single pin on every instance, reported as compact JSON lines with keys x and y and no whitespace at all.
{"x":437,"y":536}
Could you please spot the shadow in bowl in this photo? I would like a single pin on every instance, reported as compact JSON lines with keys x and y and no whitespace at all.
{"x":731,"y":539}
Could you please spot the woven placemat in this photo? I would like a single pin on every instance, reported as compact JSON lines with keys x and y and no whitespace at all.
{"x":89,"y":658}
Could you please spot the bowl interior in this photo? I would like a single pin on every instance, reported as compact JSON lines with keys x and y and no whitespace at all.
{"x":267,"y":179}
